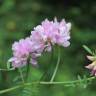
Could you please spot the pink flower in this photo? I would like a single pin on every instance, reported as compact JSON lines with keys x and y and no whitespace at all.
{"x":22,"y":48}
{"x":42,"y":38}
{"x":92,"y":66}
{"x":22,"y":51}
{"x":52,"y":32}
{"x":63,"y":35}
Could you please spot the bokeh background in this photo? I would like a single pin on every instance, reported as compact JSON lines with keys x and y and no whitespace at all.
{"x":19,"y":17}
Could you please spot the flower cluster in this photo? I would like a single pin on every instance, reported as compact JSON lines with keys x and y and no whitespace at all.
{"x":92,"y":66}
{"x":42,"y":38}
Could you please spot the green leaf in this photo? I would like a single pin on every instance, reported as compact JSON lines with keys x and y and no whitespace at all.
{"x":88,"y":49}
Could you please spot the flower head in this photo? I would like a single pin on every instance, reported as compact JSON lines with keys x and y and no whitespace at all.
{"x":42,"y":38}
{"x":92,"y":66}
{"x":22,"y":51}
{"x":52,"y":32}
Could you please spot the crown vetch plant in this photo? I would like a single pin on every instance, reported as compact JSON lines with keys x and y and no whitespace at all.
{"x":43,"y":38}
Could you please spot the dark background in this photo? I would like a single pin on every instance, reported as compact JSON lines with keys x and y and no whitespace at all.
{"x":19,"y":17}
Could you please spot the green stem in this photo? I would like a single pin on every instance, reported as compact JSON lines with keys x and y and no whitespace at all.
{"x":21,"y":75}
{"x":7,"y":69}
{"x":57,"y":65}
{"x":28,"y":70}
{"x":45,"y":83}
{"x":47,"y":69}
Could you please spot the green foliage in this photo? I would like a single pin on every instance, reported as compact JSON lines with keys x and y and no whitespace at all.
{"x":33,"y":89}
{"x":29,"y":91}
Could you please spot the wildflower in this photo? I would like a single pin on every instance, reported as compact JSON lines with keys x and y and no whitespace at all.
{"x":22,"y":51}
{"x":92,"y":66}
{"x":63,"y":34}
{"x":52,"y":32}
{"x":42,"y":38}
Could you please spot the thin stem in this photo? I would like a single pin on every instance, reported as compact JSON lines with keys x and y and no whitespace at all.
{"x":57,"y":65}
{"x":28,"y":70}
{"x":21,"y":75}
{"x":47,"y":69}
{"x":46,"y":83}
{"x":7,"y":69}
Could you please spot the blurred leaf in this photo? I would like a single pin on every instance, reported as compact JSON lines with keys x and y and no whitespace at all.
{"x":88,"y":49}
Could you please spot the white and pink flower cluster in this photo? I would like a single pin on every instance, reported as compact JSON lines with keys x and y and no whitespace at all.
{"x":42,"y":38}
{"x":92,"y":66}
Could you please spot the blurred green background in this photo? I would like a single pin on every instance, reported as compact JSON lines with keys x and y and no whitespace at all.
{"x":19,"y":17}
